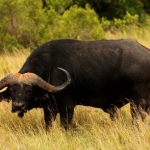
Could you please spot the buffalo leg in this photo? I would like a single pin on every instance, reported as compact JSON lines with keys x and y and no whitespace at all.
{"x":112,"y":111}
{"x":134,"y":113}
{"x":137,"y":112}
{"x":49,"y":115}
{"x":66,"y":115}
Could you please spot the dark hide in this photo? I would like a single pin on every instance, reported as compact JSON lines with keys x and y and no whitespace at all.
{"x":105,"y":74}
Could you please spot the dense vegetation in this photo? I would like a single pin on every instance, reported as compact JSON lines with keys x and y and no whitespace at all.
{"x":27,"y":23}
{"x":104,"y":8}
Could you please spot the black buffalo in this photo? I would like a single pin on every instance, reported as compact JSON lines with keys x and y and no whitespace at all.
{"x":106,"y":74}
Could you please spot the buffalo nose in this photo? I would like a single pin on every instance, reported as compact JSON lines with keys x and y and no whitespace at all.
{"x":19,"y":106}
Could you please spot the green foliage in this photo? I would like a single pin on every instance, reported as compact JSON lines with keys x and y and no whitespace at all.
{"x":120,"y":24}
{"x":104,"y":8}
{"x":106,"y":24}
{"x":111,"y":9}
{"x":19,"y":22}
{"x":26,"y":23}
{"x":78,"y":23}
{"x":58,"y":5}
{"x":128,"y":20}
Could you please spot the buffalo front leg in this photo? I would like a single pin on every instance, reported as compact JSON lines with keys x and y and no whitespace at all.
{"x":66,"y":115}
{"x":49,"y":115}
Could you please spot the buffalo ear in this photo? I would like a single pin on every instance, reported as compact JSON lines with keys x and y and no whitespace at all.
{"x":5,"y":96}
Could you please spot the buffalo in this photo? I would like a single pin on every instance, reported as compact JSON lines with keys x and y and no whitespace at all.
{"x":60,"y":74}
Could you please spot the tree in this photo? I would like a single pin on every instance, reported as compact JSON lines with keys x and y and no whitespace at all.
{"x":113,"y":8}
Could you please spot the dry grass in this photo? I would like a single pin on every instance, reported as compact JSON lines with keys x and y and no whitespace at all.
{"x":140,"y":34}
{"x":91,"y":129}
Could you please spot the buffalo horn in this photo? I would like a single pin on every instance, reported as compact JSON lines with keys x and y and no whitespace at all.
{"x":33,"y":79}
{"x":38,"y":81}
{"x":9,"y":79}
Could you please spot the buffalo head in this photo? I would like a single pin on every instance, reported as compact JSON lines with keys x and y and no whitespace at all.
{"x":20,"y":88}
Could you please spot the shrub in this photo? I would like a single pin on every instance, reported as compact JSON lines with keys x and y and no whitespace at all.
{"x":24,"y":23}
{"x":128,"y":20}
{"x":78,"y":23}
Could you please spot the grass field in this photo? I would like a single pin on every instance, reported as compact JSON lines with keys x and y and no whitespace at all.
{"x":91,"y":129}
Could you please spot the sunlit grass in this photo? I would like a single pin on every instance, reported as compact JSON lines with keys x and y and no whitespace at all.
{"x":91,"y":129}
{"x":142,"y":35}
{"x":12,"y":62}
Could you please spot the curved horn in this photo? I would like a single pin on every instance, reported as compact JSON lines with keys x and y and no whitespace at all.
{"x":33,"y":79}
{"x":38,"y":81}
{"x":8,"y":79}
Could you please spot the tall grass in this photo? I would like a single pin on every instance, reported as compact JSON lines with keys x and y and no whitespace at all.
{"x":91,"y":129}
{"x":140,"y":34}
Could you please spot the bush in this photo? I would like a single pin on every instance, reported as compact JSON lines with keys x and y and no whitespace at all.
{"x":26,"y":24}
{"x":19,"y":23}
{"x":78,"y":23}
{"x":128,"y":20}
{"x":120,"y":24}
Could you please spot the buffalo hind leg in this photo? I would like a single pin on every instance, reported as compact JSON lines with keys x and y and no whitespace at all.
{"x":113,"y":112}
{"x":137,"y":113}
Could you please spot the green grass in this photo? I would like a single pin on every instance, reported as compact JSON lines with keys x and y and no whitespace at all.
{"x":91,"y":129}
